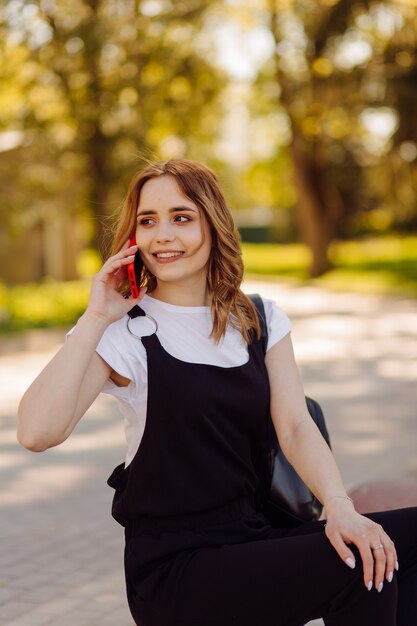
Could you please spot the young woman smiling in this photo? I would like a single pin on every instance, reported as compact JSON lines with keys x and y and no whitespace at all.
{"x":194,"y":387}
{"x":174,"y":241}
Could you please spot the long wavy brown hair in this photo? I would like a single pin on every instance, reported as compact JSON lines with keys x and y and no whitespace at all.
{"x":229,"y":305}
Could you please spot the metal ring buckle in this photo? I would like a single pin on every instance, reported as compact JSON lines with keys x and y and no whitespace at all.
{"x":140,"y":336}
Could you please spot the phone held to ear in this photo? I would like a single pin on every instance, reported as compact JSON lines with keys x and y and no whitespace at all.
{"x":134,"y":270}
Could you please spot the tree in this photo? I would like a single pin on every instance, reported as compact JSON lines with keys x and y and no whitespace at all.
{"x":103,"y":84}
{"x":338,"y":64}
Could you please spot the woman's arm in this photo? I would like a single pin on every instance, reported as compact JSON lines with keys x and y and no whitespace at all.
{"x":67,"y":386}
{"x":305,"y":448}
{"x":63,"y":391}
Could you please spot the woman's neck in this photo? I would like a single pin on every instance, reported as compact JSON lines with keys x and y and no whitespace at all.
{"x":182,"y":295}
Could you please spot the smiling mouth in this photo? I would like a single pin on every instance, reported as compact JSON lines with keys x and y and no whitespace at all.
{"x":167,"y":255}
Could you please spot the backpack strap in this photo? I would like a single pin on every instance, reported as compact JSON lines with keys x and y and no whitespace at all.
{"x":258,"y":302}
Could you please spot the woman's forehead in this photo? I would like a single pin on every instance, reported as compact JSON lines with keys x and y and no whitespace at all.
{"x":162,"y":192}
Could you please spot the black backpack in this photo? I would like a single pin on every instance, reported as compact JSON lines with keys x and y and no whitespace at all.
{"x":281,"y":495}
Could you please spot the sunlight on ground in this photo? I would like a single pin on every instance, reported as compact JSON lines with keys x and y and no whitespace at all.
{"x":47,"y":482}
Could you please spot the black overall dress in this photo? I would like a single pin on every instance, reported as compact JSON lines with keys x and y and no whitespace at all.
{"x":192,"y":479}
{"x":197,"y":551}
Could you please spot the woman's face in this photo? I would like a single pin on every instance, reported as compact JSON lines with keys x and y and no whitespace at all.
{"x":172,"y":233}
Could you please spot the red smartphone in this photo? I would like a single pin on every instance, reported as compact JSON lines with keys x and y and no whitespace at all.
{"x":134,"y":270}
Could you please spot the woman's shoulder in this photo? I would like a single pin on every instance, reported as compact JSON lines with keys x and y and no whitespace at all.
{"x":272,"y":307}
{"x":278,"y":322}
{"x":120,"y":345}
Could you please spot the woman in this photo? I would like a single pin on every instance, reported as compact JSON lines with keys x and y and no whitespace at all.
{"x":189,"y":363}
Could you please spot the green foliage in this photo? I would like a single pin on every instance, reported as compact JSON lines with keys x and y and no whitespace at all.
{"x":288,"y":260}
{"x":93,"y":89}
{"x":88,"y":263}
{"x":343,"y":73}
{"x":42,"y":305}
{"x":90,"y":90}
{"x":375,"y":265}
{"x":387,"y":265}
{"x":384,"y":265}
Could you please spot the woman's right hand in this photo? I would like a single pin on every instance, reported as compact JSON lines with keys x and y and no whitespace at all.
{"x":106,"y":303}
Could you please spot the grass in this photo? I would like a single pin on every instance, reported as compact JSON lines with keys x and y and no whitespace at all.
{"x":385,"y":265}
{"x":42,"y":305}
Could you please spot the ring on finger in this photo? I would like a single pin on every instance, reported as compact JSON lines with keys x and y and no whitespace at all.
{"x":378,"y":547}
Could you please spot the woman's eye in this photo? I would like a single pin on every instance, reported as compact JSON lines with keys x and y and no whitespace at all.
{"x":149,"y":221}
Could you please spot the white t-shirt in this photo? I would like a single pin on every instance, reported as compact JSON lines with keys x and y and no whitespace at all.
{"x":184,"y":332}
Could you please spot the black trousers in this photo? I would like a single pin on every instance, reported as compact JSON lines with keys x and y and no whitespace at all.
{"x":237,"y":570}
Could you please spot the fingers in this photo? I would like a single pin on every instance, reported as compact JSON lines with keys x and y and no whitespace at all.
{"x":385,"y":558}
{"x":114,"y":263}
{"x":125,"y":252}
{"x":348,"y":557}
{"x":390,"y":555}
{"x":377,"y":551}
{"x":127,"y":245}
{"x":342,"y":550}
{"x":379,"y":560}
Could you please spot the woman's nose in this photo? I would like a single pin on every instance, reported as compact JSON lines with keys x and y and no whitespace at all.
{"x":165,"y":232}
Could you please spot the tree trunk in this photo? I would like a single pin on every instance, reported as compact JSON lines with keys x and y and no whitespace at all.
{"x":319,"y":203}
{"x":99,"y":191}
{"x":98,"y":146}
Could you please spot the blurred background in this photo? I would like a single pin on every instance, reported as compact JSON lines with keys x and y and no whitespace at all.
{"x":306,"y":109}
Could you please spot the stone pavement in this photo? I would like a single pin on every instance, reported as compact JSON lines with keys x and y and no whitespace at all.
{"x":61,"y":552}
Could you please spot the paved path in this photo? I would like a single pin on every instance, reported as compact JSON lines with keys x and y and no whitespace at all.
{"x":61,"y":555}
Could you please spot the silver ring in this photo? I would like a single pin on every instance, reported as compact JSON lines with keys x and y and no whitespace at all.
{"x":378,"y":547}
{"x":140,"y":336}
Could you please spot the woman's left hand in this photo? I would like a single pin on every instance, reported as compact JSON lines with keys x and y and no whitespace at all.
{"x":346,"y":526}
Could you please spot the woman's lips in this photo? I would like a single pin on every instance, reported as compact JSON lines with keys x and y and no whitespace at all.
{"x":167,"y":257}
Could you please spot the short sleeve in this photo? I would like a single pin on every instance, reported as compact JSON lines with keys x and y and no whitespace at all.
{"x":115,"y":349}
{"x":277,"y":321}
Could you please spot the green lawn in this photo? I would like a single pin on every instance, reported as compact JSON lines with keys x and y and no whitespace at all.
{"x":385,"y":265}
{"x":42,"y":305}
